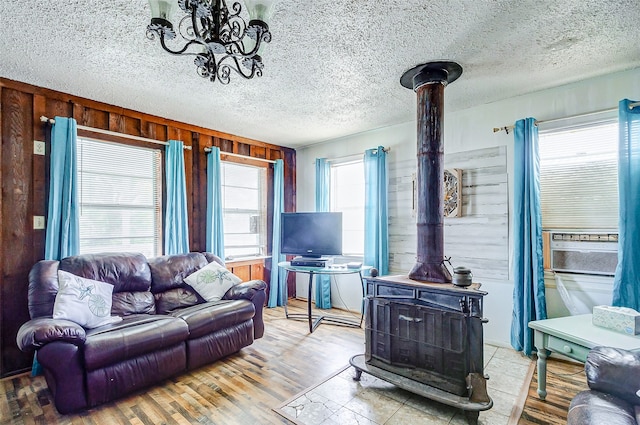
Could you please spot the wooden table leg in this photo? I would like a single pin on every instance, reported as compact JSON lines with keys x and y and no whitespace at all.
{"x":542,"y":373}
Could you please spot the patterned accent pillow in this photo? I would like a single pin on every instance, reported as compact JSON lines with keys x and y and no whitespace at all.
{"x":84,"y":301}
{"x":212,"y":281}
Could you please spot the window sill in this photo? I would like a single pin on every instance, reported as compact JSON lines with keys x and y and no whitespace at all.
{"x":344,"y":259}
{"x":246,"y":260}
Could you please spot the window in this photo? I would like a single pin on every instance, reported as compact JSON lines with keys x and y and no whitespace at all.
{"x":120,"y":192}
{"x":245,"y":209}
{"x":579,"y":176}
{"x":347,"y":196}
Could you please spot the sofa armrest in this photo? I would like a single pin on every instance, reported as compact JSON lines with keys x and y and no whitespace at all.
{"x":256,"y":292}
{"x":245,"y":290}
{"x":38,"y":332}
{"x":614,"y":371}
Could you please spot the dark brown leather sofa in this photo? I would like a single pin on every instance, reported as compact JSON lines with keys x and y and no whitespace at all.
{"x":613,"y":397}
{"x":167,"y":327}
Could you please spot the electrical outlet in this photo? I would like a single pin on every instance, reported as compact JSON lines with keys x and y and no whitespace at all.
{"x":38,"y":147}
{"x":38,"y":222}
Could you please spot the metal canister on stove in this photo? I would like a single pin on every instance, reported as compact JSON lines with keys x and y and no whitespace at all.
{"x":462,"y":276}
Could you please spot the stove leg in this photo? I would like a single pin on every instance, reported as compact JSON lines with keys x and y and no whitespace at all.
{"x":358,"y":375}
{"x":472,"y":417}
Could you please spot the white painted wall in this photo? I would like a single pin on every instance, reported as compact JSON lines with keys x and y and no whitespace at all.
{"x":471,"y":129}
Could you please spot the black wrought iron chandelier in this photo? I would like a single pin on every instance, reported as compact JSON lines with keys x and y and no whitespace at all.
{"x":218,"y":37}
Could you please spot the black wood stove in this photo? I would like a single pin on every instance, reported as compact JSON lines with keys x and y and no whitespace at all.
{"x":423,"y":333}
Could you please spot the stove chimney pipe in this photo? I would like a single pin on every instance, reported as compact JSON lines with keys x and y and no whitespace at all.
{"x":428,"y":81}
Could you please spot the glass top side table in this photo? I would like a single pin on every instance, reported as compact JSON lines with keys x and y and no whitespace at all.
{"x":315,"y":319}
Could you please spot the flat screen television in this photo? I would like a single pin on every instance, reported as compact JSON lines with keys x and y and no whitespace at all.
{"x":311,"y":234}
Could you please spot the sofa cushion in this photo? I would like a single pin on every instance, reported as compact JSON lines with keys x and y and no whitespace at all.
{"x":594,"y":407}
{"x":212,"y":316}
{"x":176,"y":298}
{"x":86,"y":302}
{"x":126,"y":303}
{"x":216,"y":345}
{"x":132,"y":374}
{"x":212,"y":281}
{"x":134,"y":336}
{"x":169,"y":271}
{"x":127,"y":272}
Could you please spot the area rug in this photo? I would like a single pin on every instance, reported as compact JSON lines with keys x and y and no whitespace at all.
{"x":339,"y":400}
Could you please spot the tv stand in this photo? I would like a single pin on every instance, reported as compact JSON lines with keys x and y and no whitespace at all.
{"x":315,"y":319}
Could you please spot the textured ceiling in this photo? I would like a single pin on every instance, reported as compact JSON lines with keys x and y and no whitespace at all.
{"x":333,"y":67}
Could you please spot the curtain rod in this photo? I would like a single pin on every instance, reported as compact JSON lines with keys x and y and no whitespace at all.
{"x":113,"y":133}
{"x":237,"y":155}
{"x":507,"y":128}
{"x":353,"y":156}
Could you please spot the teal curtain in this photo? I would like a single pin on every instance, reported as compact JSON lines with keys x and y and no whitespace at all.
{"x":214,"y":222}
{"x":277,"y":289}
{"x":323,"y":184}
{"x":626,"y":285}
{"x":528,"y":291}
{"x":62,"y":238}
{"x":376,"y":222}
{"x":63,"y":230}
{"x":176,"y":228}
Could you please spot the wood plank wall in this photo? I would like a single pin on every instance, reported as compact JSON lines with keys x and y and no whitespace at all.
{"x":23,"y":178}
{"x":479,"y":239}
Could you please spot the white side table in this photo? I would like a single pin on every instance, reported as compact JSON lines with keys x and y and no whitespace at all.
{"x":573,"y":336}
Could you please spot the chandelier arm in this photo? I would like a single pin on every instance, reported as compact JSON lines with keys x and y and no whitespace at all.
{"x":239,"y":44}
{"x":223,"y":12}
{"x":223,"y":71}
{"x":181,"y":51}
{"x":236,"y":48}
{"x":194,"y":21}
{"x":253,"y":51}
{"x":207,"y":68}
{"x":236,"y":27}
{"x":238,"y":68}
{"x":236,"y":7}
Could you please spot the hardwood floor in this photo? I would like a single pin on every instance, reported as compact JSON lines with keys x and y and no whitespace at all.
{"x":243,"y":388}
{"x":564,"y":380}
{"x":240,"y":389}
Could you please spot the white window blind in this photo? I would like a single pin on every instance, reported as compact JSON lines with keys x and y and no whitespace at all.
{"x":120,"y":192}
{"x":347,"y":196}
{"x":245,"y":209}
{"x":579,"y":177}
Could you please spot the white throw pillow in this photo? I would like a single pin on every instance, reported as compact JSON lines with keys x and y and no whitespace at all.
{"x":84,"y":301}
{"x":212,"y":281}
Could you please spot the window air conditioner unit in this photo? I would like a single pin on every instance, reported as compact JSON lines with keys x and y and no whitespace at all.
{"x":578,"y":252}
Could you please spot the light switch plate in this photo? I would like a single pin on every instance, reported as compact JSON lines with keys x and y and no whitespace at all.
{"x":38,"y":147}
{"x":38,"y":222}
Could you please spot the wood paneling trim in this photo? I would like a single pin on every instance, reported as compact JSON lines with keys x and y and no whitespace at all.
{"x":40,"y":177}
{"x":198,"y":234}
{"x":248,"y":269}
{"x":258,"y":152}
{"x":243,"y":272}
{"x":3,"y":330}
{"x":17,"y":222}
{"x":87,"y":103}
